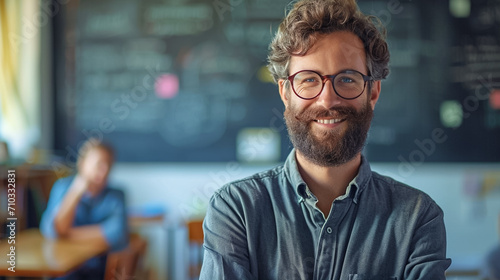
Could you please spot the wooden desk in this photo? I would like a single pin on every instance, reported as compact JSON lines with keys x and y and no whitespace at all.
{"x":40,"y":257}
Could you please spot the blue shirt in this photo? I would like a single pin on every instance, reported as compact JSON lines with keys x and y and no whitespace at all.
{"x":267,"y":226}
{"x":106,"y":209}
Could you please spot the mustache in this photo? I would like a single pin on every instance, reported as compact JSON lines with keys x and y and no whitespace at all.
{"x":339,"y":112}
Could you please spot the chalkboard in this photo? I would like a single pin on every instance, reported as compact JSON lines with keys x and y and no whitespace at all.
{"x":185,"y":81}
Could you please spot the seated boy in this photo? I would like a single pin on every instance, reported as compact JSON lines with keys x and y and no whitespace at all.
{"x":82,"y":207}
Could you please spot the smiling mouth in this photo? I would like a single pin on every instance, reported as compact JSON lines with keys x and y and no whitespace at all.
{"x":329,"y":121}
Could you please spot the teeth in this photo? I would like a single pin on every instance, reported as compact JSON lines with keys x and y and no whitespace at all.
{"x":330,"y":121}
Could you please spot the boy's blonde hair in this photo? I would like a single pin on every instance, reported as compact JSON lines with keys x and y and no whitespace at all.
{"x":91,"y":144}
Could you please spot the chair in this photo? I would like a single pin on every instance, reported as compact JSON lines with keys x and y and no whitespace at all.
{"x":195,"y":239}
{"x":128,"y":263}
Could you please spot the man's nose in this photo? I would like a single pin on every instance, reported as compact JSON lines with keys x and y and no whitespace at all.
{"x":328,"y":98}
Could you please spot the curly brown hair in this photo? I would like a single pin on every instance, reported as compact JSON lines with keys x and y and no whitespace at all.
{"x":308,"y":18}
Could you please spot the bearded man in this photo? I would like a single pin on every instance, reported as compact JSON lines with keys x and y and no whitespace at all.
{"x":324,"y":214}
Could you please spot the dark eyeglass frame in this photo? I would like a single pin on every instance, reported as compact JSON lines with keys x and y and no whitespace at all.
{"x":325,"y":78}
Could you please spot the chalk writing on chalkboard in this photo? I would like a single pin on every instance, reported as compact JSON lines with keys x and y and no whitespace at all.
{"x":186,"y":80}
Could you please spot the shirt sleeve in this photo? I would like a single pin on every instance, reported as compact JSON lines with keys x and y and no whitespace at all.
{"x":226,"y":247}
{"x":427,"y":259}
{"x":115,"y":227}
{"x":55,"y":199}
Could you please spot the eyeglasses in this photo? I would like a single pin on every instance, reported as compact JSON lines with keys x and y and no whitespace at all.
{"x":348,"y":84}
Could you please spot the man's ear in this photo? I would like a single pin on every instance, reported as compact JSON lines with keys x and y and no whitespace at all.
{"x":375,"y":93}
{"x":283,"y":91}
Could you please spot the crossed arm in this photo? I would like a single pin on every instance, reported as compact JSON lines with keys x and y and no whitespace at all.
{"x":65,"y":216}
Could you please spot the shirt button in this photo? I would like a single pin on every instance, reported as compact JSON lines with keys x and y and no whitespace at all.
{"x":329,"y":229}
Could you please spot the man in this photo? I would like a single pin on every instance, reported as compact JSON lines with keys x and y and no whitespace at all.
{"x":84,"y":208}
{"x":324,"y":214}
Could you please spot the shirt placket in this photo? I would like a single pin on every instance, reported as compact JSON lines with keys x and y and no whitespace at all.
{"x":328,"y":241}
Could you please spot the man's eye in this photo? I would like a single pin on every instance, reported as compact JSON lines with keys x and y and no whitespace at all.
{"x":309,"y":79}
{"x":346,"y":80}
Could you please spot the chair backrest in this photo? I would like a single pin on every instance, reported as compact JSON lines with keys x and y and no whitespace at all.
{"x":195,"y":231}
{"x":128,"y":263}
{"x":195,"y":238}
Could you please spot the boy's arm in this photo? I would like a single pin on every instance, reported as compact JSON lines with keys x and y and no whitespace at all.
{"x":90,"y":233}
{"x":65,"y":216}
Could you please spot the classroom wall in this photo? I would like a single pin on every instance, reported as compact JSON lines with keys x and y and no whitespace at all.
{"x":184,"y":189}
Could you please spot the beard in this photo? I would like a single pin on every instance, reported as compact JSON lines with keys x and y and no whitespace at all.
{"x":332,"y":147}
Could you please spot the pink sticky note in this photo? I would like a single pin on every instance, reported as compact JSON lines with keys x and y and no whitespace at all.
{"x":167,"y":86}
{"x":495,"y":99}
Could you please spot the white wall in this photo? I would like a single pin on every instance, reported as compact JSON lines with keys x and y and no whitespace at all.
{"x":184,"y":189}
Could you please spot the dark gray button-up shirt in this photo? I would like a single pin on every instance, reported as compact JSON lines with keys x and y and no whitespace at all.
{"x":267,"y":226}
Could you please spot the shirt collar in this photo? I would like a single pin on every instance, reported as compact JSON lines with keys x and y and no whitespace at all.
{"x":292,"y":173}
{"x":359,"y":182}
{"x":90,"y":200}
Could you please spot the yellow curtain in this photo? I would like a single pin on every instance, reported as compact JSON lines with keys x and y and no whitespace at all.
{"x":19,"y":74}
